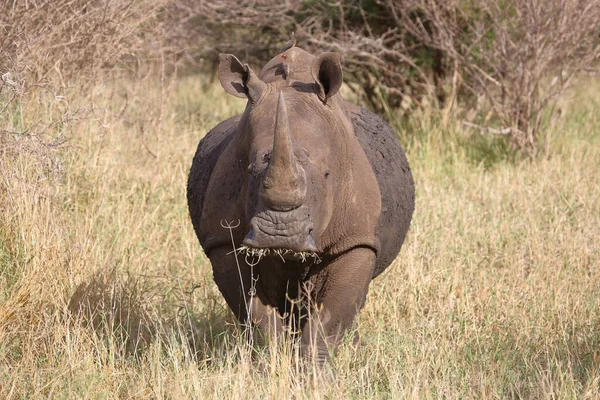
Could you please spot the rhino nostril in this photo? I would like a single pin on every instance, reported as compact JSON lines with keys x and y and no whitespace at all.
{"x":250,"y":235}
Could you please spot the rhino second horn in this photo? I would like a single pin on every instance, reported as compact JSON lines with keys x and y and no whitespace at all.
{"x":284,"y":187}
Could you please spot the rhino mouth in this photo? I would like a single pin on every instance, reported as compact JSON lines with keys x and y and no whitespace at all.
{"x":286,"y":234}
{"x":254,"y":255}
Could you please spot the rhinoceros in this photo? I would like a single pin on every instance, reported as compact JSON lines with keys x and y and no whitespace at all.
{"x":313,"y":192}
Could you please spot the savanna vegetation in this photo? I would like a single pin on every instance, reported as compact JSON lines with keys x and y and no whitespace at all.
{"x":104,"y":289}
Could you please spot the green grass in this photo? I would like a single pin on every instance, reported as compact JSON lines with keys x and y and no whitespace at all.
{"x":107,"y":294}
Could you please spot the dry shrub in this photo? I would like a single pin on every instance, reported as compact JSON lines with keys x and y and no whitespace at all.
{"x":495,"y":293}
{"x":506,"y":60}
{"x":519,"y":55}
{"x":53,"y":51}
{"x":60,"y":39}
{"x":499,"y":64}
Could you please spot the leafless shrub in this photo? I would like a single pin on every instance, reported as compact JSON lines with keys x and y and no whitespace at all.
{"x":252,"y":29}
{"x":508,"y":60}
{"x":519,"y":54}
{"x":53,"y":52}
{"x":58,"y":39}
{"x":516,"y":55}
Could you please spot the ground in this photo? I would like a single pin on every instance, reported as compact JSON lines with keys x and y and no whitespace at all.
{"x":105,"y":292}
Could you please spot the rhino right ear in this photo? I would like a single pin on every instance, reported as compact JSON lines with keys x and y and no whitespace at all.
{"x":326,"y":70}
{"x":239,"y":80}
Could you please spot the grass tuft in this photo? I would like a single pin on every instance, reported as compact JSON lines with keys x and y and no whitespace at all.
{"x":254,"y":255}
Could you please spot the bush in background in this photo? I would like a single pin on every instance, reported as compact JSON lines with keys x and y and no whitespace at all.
{"x":498,"y":65}
{"x":105,"y":292}
{"x":504,"y":62}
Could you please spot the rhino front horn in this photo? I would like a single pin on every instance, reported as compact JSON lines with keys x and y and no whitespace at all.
{"x":284,"y":186}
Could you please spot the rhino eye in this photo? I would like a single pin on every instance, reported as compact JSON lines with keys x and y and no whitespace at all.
{"x":266,"y":157}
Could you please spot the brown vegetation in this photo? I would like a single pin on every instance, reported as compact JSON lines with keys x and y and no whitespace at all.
{"x":504,"y":62}
{"x":104,"y":290}
{"x":499,"y":66}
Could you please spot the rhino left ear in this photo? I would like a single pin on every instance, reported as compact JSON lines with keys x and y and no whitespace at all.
{"x":239,"y":80}
{"x":326,"y":70}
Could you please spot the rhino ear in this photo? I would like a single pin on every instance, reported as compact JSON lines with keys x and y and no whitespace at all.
{"x":239,"y":80}
{"x":326,"y":70}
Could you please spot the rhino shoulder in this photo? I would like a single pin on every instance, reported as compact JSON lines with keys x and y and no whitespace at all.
{"x":207,"y":154}
{"x":394,"y":178}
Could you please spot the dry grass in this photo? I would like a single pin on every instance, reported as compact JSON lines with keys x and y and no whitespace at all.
{"x":105,"y":293}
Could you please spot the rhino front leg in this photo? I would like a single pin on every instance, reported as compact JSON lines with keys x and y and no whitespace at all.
{"x":266,"y":319}
{"x":342,"y":293}
{"x":237,"y":294}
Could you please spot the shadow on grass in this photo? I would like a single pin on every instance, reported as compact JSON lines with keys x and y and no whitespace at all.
{"x":128,"y":315}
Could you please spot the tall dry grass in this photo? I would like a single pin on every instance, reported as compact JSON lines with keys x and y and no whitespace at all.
{"x":105,"y":293}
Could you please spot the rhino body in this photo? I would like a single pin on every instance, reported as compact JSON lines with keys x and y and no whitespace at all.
{"x":317,"y":193}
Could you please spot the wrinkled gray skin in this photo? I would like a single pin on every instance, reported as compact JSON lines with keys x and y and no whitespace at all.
{"x":302,"y":170}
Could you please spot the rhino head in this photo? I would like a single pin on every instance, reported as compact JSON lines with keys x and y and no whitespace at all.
{"x":292,"y":138}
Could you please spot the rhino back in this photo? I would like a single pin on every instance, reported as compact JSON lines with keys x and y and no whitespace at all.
{"x":207,"y":154}
{"x":394,"y":178}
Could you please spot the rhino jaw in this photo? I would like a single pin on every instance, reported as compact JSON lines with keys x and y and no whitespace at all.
{"x":277,"y":230}
{"x":284,"y":185}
